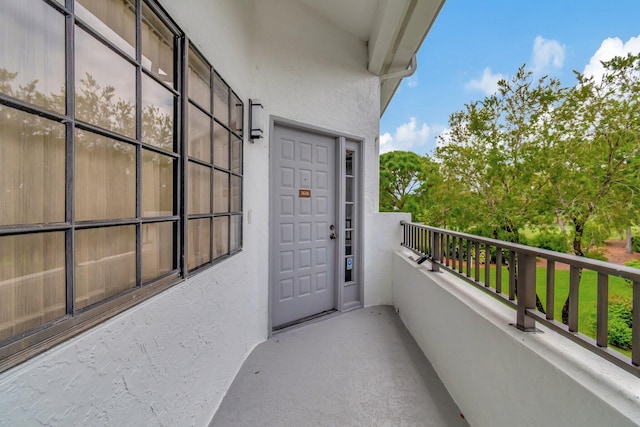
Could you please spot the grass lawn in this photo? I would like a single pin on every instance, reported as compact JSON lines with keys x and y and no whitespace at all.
{"x":588,"y":294}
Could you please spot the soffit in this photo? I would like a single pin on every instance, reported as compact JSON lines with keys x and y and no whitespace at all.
{"x":356,"y":17}
{"x":392,"y":29}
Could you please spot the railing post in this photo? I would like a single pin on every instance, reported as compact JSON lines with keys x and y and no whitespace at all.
{"x":526,"y":291}
{"x":435,"y":252}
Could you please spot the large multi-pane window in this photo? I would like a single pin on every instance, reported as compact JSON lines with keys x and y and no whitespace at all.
{"x":214,"y":165}
{"x":120,"y":166}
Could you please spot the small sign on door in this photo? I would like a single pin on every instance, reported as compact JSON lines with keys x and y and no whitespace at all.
{"x":349,"y":263}
{"x":304,"y":193}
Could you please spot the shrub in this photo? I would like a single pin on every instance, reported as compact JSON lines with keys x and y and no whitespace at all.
{"x":621,"y":308}
{"x":552,"y":241}
{"x":620,"y":322}
{"x":596,"y":254}
{"x":619,"y":333}
{"x":633,"y":263}
{"x":635,"y":243}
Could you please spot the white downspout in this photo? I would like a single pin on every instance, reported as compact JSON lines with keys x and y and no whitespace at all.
{"x":413,"y":65}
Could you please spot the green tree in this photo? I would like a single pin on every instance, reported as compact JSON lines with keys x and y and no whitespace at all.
{"x":493,"y":150}
{"x":441,"y":200}
{"x":401,"y":175}
{"x":592,"y":149}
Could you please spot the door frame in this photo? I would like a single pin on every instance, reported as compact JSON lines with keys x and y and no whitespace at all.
{"x":341,"y":139}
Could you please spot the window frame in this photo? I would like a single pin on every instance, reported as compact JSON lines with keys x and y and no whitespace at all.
{"x":20,"y":347}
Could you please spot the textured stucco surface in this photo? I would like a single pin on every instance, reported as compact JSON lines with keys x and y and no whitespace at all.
{"x":498,"y":375}
{"x":384,"y":238}
{"x":159,"y":363}
{"x":170,"y":360}
{"x":360,"y":368}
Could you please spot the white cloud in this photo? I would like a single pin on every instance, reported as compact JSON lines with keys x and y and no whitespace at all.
{"x":609,"y":49}
{"x":407,"y":137}
{"x":412,"y":81}
{"x":546,"y":55}
{"x":488,"y":83}
{"x":386,"y":143}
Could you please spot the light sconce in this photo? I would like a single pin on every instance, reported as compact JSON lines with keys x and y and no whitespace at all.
{"x":256,"y":124}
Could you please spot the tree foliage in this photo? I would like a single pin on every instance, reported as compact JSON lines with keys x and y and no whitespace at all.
{"x":401,"y":177}
{"x":533,"y":154}
{"x":592,"y":150}
{"x":493,"y":150}
{"x":536,"y":153}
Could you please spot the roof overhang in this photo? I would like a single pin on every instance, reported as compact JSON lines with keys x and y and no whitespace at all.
{"x":393,"y":30}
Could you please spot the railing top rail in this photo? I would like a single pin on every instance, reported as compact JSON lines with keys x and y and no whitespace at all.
{"x":623,"y":271}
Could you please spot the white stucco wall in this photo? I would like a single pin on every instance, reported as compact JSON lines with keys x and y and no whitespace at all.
{"x":320,"y":78}
{"x":170,"y":360}
{"x":498,"y":375}
{"x":385,"y":236}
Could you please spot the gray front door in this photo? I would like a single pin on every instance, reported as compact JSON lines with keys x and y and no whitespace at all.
{"x":302,"y":224}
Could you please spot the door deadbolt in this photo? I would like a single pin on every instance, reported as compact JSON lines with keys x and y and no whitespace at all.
{"x":332,"y":227}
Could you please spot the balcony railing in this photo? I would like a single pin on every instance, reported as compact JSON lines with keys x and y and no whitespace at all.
{"x":466,"y":256}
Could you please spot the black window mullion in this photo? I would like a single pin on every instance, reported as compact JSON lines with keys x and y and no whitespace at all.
{"x":241,"y":226}
{"x":138,"y":146}
{"x":212,"y":173}
{"x":180,"y":146}
{"x":228,"y":234}
{"x":183,"y":148}
{"x":212,"y":143}
{"x":69,"y":159}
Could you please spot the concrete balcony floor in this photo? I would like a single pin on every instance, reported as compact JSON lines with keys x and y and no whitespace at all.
{"x":360,"y":368}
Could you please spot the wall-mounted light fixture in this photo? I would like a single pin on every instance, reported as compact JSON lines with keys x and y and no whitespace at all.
{"x":256,"y":124}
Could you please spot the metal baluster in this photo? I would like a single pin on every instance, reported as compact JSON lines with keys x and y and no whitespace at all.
{"x":487,"y":265}
{"x":468,"y":258}
{"x":602,"y":310}
{"x":512,"y":275}
{"x":477,"y":261}
{"x":460,"y":256}
{"x":454,"y":252}
{"x":551,"y":288}
{"x":498,"y":270}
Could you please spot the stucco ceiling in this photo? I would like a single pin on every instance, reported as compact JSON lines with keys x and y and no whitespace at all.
{"x":393,"y":30}
{"x":353,"y":16}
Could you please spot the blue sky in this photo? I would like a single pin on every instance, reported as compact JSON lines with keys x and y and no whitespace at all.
{"x":473,"y":43}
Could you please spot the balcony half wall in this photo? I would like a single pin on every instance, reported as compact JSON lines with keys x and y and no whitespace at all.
{"x":498,"y":375}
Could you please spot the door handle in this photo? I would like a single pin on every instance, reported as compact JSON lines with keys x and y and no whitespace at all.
{"x":332,"y":236}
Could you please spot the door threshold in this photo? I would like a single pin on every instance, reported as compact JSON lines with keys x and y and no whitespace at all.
{"x":304,"y":320}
